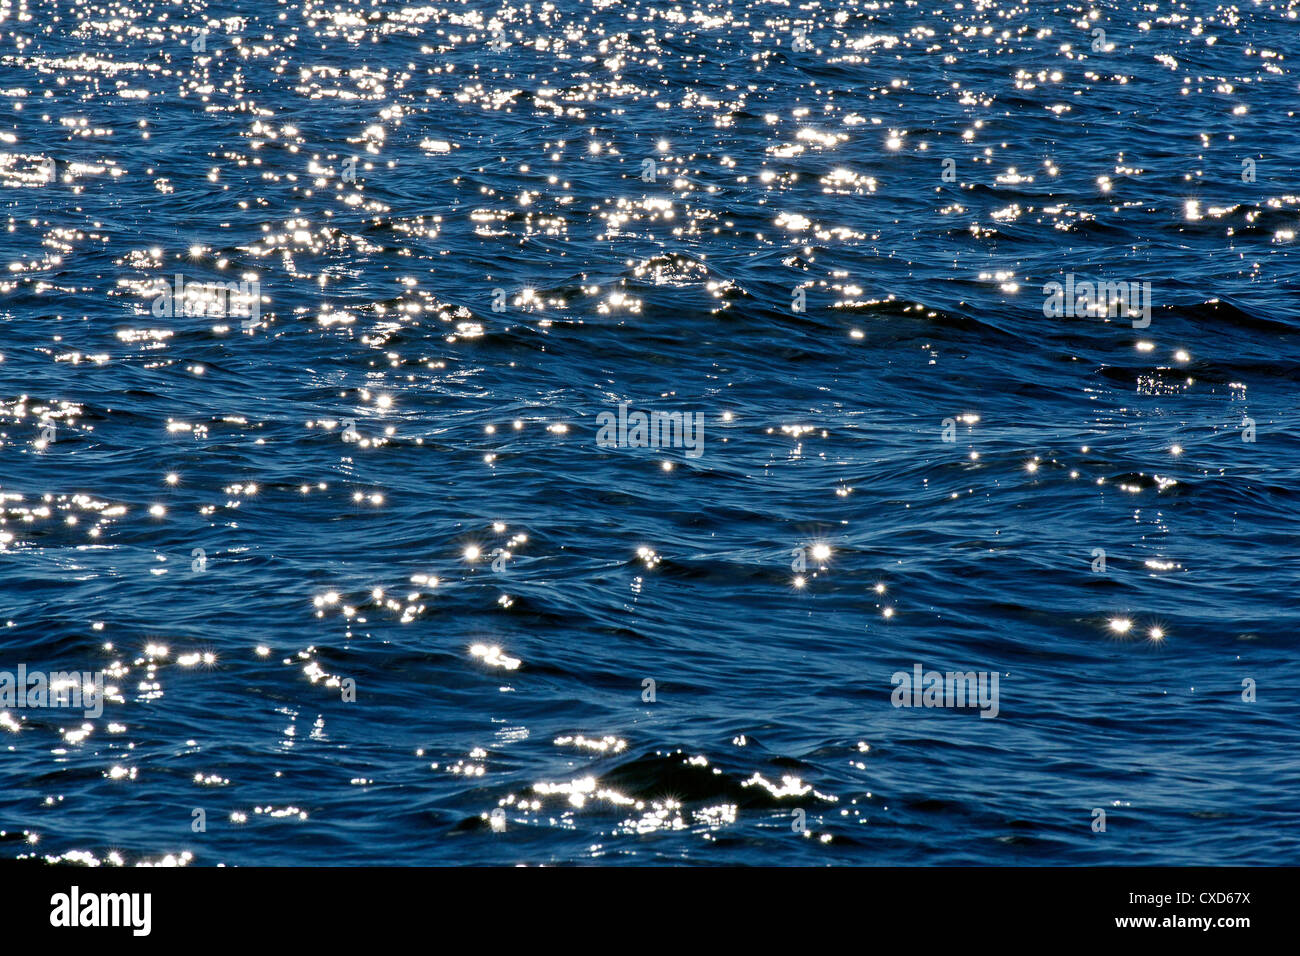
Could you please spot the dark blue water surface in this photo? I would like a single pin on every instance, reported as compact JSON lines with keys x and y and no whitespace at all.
{"x":476,"y":228}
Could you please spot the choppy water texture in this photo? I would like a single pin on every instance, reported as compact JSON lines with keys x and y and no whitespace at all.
{"x":386,"y":480}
